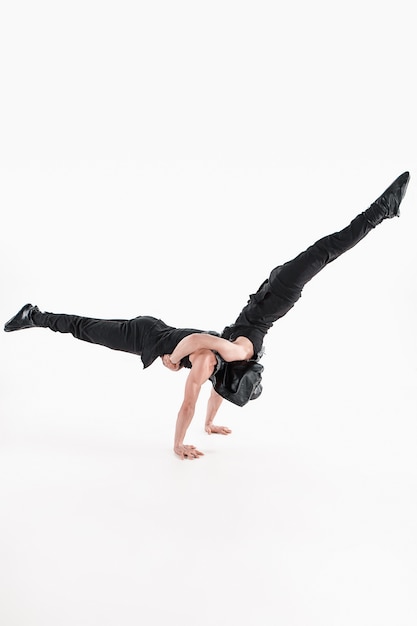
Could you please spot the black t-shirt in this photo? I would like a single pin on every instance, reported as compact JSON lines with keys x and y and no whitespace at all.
{"x":158,"y":339}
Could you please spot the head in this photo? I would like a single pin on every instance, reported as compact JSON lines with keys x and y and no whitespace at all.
{"x":239,"y":381}
{"x":174,"y":367}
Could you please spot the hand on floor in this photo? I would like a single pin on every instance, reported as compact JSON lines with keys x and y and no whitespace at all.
{"x":217,"y":430}
{"x":189,"y":452}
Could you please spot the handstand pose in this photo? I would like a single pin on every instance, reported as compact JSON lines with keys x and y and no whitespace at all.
{"x":207,"y":353}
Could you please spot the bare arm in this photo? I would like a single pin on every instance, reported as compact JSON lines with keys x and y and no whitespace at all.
{"x":203,"y":363}
{"x":213,"y":406}
{"x":229,"y":351}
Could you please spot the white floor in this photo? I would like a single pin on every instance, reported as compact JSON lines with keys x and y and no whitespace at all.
{"x":306,"y":514}
{"x":161,"y":159}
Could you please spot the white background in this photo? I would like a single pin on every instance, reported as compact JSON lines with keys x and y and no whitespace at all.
{"x":161,"y":158}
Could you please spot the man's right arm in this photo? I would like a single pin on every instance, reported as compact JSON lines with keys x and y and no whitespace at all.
{"x":203,"y":363}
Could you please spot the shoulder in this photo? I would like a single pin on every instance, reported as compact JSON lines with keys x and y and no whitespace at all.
{"x":203,"y":363}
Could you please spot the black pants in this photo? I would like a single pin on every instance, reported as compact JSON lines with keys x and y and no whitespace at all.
{"x":124,"y":335}
{"x":278,"y":293}
{"x":275,"y":297}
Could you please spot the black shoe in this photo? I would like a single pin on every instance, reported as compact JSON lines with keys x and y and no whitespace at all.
{"x":390,"y":200}
{"x":23,"y":319}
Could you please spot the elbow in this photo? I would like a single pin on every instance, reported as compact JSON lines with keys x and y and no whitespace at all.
{"x":239,"y":353}
{"x":187,"y":410}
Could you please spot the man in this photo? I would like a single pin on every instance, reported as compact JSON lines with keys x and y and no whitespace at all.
{"x":207,"y":355}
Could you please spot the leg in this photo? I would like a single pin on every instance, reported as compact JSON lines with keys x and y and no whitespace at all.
{"x":124,"y":335}
{"x":278,"y":294}
{"x":114,"y":334}
{"x":293,"y":275}
{"x":296,"y":273}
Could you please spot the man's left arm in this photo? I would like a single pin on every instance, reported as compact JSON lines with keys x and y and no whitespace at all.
{"x":213,"y":405}
{"x":238,"y":350}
